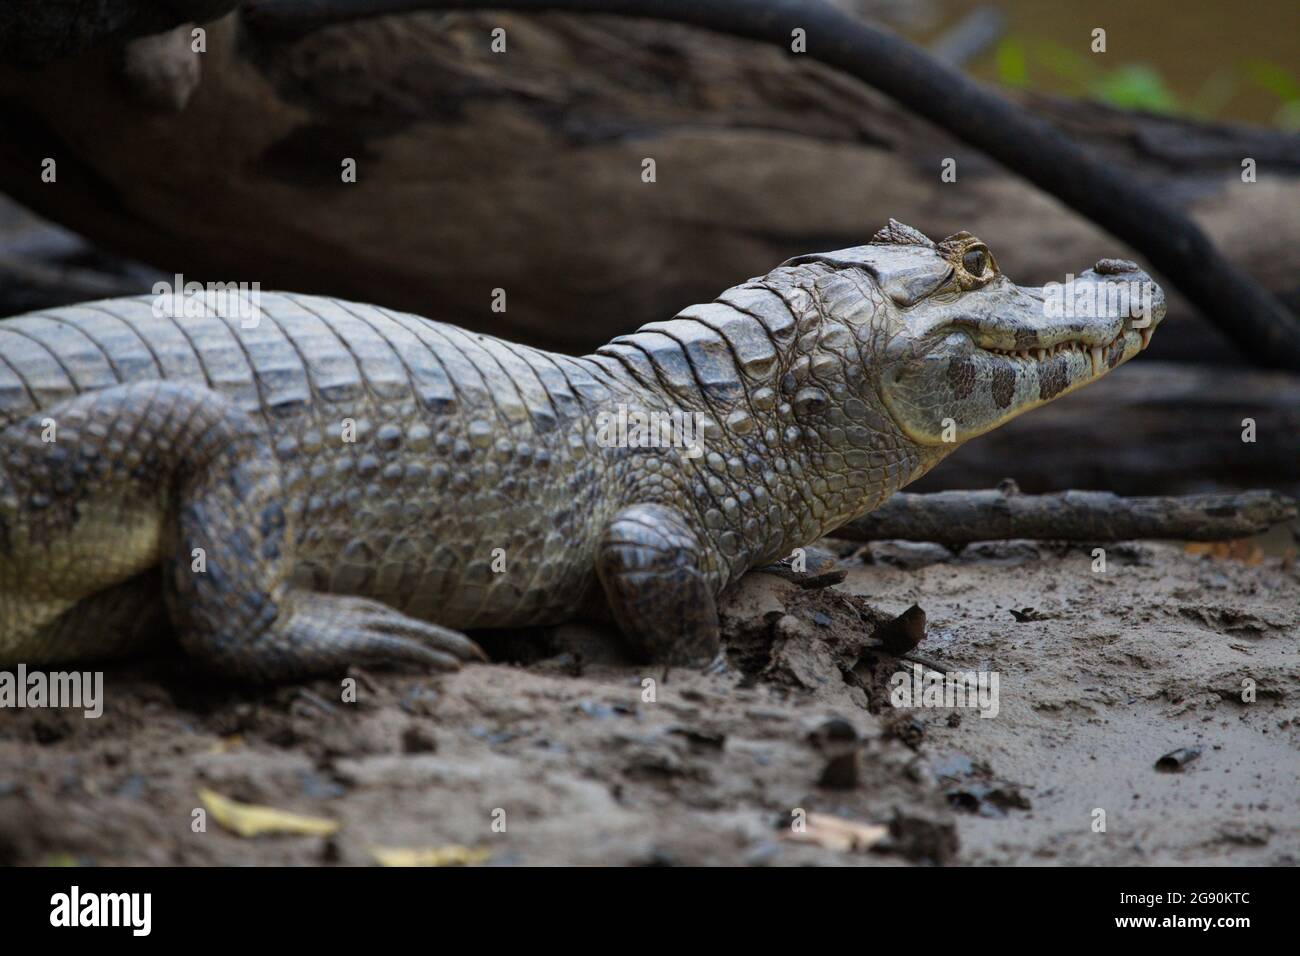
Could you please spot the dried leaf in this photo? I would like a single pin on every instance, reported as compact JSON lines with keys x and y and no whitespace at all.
{"x":1244,"y":550}
{"x":451,"y":855}
{"x":836,"y":833}
{"x":248,"y":820}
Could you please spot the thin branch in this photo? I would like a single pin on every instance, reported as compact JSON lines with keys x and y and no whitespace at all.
{"x":955,"y":518}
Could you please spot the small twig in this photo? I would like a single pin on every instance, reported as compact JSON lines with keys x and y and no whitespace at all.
{"x":924,"y":662}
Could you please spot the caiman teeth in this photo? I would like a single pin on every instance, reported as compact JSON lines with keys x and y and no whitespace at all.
{"x":1096,"y":354}
{"x":1146,"y":336}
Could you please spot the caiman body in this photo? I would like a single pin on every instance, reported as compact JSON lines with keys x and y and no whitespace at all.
{"x":337,"y":483}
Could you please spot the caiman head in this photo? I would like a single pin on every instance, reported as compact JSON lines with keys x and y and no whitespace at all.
{"x":838,"y":378}
{"x":954,"y":348}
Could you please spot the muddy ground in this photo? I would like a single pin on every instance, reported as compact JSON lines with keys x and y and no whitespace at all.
{"x":561,"y":748}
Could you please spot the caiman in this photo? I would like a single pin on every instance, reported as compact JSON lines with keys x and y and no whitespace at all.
{"x":334,"y":484}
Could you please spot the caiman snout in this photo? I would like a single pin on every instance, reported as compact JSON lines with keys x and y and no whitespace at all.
{"x":1002,"y":349}
{"x":1125,"y":293}
{"x":961,"y":348}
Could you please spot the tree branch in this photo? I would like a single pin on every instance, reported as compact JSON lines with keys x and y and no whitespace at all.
{"x":955,"y":518}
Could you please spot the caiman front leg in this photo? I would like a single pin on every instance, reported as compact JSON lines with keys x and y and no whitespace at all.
{"x":172,"y":474}
{"x":649,"y":563}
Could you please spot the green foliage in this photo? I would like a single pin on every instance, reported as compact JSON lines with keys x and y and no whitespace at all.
{"x":1135,"y":86}
{"x":1269,"y":76}
{"x":1140,"y":86}
{"x":1013,"y":68}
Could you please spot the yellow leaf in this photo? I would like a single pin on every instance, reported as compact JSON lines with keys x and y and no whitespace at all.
{"x":1242,"y":549}
{"x":452,"y":855}
{"x":836,"y":833}
{"x":247,"y":819}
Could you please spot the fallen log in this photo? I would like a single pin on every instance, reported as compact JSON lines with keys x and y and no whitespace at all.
{"x":1258,"y":322}
{"x":955,"y":518}
{"x":521,"y":172}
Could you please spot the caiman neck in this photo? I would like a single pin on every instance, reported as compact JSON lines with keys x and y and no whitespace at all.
{"x":809,"y":487}
{"x":889,"y":470}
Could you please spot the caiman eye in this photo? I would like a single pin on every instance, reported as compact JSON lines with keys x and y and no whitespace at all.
{"x":975,"y":262}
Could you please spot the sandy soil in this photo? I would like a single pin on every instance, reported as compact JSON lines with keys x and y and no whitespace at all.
{"x":560,"y":743}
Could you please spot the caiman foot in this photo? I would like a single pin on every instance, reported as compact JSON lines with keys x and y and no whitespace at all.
{"x":328,"y":633}
{"x":648,"y":563}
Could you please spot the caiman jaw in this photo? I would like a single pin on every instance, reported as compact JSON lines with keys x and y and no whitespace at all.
{"x":964,"y":364}
{"x":1097,"y":354}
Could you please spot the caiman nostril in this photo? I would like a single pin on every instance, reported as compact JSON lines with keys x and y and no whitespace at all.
{"x":1114,"y":267}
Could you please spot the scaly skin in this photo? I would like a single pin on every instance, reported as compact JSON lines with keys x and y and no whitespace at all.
{"x":344,"y":485}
